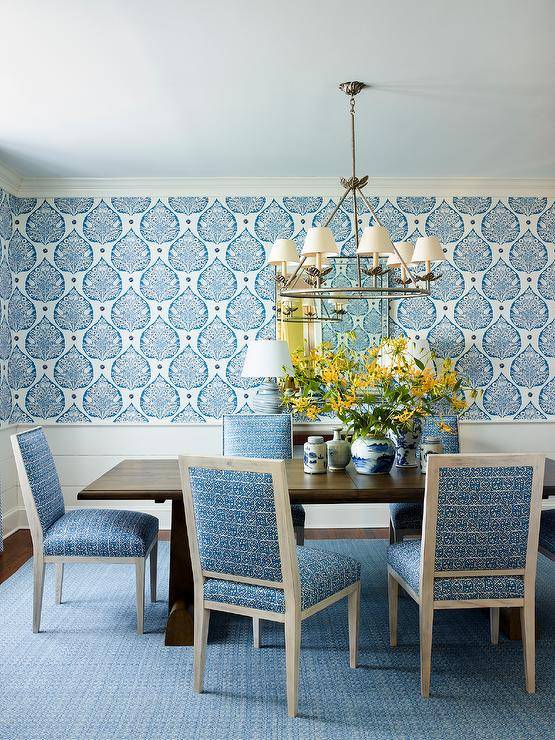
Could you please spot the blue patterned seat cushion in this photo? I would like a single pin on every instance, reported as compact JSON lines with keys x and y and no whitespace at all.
{"x":404,"y":558}
{"x":406,"y":515}
{"x":547,"y":531}
{"x":42,"y":475}
{"x":106,"y":533}
{"x":322,"y":574}
{"x":261,"y":435}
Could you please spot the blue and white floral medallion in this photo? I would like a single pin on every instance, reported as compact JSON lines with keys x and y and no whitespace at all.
{"x":373,"y":455}
{"x":407,"y":442}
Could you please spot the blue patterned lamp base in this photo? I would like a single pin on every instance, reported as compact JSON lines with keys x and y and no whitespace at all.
{"x":268,"y":399}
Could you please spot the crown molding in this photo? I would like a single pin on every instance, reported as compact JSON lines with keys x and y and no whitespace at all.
{"x":9,"y":180}
{"x":273,"y":186}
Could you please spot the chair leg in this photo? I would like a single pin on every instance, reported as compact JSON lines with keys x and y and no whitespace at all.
{"x":38,"y":586}
{"x":494,"y":624}
{"x":153,"y":571}
{"x":299,"y":535}
{"x":292,"y":659}
{"x":256,"y":632}
{"x":354,"y":620}
{"x":426,"y":625}
{"x":393,"y":597}
{"x":140,"y":593}
{"x":528,"y":625}
{"x":59,"y":582}
{"x":202,"y":621}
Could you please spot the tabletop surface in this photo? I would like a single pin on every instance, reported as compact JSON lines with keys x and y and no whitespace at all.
{"x":158,"y":480}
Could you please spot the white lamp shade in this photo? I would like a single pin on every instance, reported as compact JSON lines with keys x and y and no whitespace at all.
{"x":405,"y":249}
{"x":375,"y":240}
{"x":319,"y":240}
{"x":266,"y":358}
{"x":284,"y":250}
{"x":428,"y":248}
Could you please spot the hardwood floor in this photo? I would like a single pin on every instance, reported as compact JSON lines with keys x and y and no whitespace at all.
{"x":18,"y":548}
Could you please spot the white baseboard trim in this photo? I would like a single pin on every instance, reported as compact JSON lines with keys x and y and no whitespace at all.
{"x":13,"y":520}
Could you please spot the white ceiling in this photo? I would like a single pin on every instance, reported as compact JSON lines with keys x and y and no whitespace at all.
{"x":248,"y":88}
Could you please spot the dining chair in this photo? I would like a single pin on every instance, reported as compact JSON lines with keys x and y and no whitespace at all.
{"x":479,"y":547}
{"x":245,"y":561}
{"x":81,"y":535}
{"x":263,"y":435}
{"x":547,"y":534}
{"x":405,"y":519}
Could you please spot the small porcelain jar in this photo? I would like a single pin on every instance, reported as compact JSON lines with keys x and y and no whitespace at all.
{"x":429,"y":446}
{"x":339,"y":451}
{"x":315,"y":455}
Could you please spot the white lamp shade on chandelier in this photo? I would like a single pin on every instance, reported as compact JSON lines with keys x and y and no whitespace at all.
{"x":375,"y":240}
{"x":405,"y":249}
{"x":283,"y":251}
{"x":267,"y":358}
{"x":428,"y":249}
{"x":319,"y":240}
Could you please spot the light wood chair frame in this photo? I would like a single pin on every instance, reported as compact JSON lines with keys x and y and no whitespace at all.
{"x":290,"y":584}
{"x":40,"y":560}
{"x":299,"y":531}
{"x":425,"y":599}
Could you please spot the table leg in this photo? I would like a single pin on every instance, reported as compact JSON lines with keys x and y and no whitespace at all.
{"x":179,"y":629}
{"x":509,"y":622}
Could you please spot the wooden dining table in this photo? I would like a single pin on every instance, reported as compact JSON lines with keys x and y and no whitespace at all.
{"x":158,"y":480}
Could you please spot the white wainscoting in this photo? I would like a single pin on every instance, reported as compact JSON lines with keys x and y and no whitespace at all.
{"x":12,"y":514}
{"x":82,"y":453}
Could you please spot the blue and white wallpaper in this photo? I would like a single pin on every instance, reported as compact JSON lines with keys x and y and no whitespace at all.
{"x":138,"y":310}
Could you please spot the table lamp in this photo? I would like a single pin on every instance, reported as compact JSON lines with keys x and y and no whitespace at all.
{"x":269,"y":359}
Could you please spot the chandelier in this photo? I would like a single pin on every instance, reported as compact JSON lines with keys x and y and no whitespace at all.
{"x":306,"y":276}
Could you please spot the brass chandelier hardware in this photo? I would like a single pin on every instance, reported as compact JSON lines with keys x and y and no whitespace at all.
{"x":311,"y":270}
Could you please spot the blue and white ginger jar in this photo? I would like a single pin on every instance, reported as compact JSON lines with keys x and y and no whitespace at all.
{"x":373,"y":455}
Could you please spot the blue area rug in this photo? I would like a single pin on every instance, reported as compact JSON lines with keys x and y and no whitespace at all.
{"x":88,"y":675}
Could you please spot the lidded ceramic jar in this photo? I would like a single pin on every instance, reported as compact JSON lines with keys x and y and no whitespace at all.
{"x":429,"y":446}
{"x":315,"y":455}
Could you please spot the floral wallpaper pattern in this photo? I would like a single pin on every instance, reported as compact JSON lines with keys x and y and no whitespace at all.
{"x":138,"y":310}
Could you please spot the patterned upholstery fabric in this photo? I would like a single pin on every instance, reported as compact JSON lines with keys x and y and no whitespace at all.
{"x":322,"y":574}
{"x":101,"y":533}
{"x":450,"y":441}
{"x":406,"y":515}
{"x":409,"y":515}
{"x":404,"y":558}
{"x":482,"y":519}
{"x":42,"y":475}
{"x":258,"y":435}
{"x":547,"y":531}
{"x":236,"y":522}
{"x":261,"y":435}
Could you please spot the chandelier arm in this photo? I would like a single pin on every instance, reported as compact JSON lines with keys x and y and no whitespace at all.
{"x":369,"y":205}
{"x":405,"y":265}
{"x":337,"y":207}
{"x":293,"y":277}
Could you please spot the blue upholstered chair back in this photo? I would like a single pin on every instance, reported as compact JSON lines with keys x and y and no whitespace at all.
{"x":42,"y":475}
{"x":258,"y":435}
{"x":450,"y":441}
{"x":482,"y":517}
{"x":236,"y":526}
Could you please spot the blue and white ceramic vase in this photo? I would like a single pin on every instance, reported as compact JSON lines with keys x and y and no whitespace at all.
{"x":373,"y":455}
{"x":339,"y":451}
{"x":315,"y":456}
{"x":407,"y":442}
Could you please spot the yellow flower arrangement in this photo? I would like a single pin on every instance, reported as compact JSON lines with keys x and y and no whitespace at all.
{"x":386,"y":388}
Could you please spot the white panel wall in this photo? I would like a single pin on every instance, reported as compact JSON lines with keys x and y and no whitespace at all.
{"x":83,"y":453}
{"x":11,"y":512}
